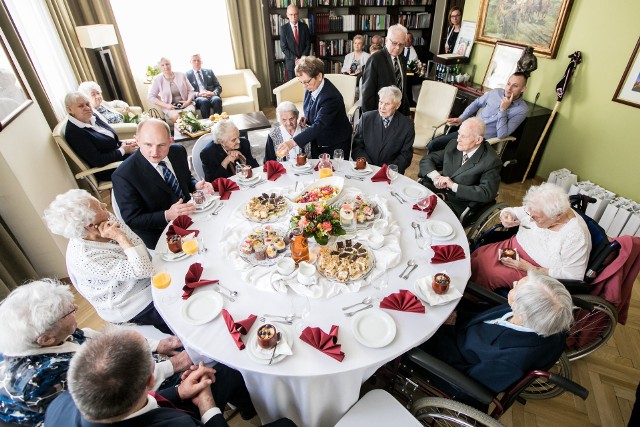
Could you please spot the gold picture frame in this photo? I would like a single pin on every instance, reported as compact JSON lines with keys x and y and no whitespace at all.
{"x":14,"y":96}
{"x":530,"y":23}
{"x":628,"y":90}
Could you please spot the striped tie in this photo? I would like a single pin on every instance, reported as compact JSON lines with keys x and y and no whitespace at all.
{"x":385,"y":121}
{"x":465,"y":157}
{"x":201,"y":82}
{"x":170,"y":179}
{"x":398,"y":73}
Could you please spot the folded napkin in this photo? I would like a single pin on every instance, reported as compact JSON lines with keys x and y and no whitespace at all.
{"x":326,"y":343}
{"x":192,"y":280}
{"x":318,"y":164}
{"x":447,"y":253}
{"x":381,"y":175}
{"x":425,"y":288}
{"x":403,"y":301}
{"x":433,"y":201}
{"x":238,"y":328}
{"x":224,"y":187}
{"x":179,"y":226}
{"x":273,"y":169}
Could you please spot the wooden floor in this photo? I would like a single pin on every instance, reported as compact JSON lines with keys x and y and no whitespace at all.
{"x":611,"y":374}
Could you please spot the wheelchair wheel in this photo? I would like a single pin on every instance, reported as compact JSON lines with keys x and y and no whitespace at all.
{"x":540,"y":388}
{"x":590,"y":329}
{"x":438,"y":411}
{"x":485,"y":221}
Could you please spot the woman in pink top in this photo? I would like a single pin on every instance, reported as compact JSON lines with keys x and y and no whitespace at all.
{"x":171,"y":91}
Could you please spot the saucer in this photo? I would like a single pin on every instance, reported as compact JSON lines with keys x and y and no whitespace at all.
{"x":263,"y":356}
{"x":256,"y":176}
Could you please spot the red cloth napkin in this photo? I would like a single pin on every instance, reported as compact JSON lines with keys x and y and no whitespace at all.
{"x":403,"y":301}
{"x":224,"y":187}
{"x":238,"y":328}
{"x":179,"y":226}
{"x":433,"y":201}
{"x":447,"y":253}
{"x":273,"y":169}
{"x":381,"y":175}
{"x":318,"y":164}
{"x":326,"y":343}
{"x":192,"y":280}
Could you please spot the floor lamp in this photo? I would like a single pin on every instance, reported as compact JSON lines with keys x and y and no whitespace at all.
{"x":98,"y":37}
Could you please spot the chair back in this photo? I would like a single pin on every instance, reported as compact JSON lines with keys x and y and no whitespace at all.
{"x":291,"y":91}
{"x":433,"y":107}
{"x":75,"y":162}
{"x":195,"y":154}
{"x":114,"y":206}
{"x":378,"y":408}
{"x":347,"y":87}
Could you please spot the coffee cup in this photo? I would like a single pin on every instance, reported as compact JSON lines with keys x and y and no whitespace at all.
{"x":375,"y":240}
{"x":306,"y":274}
{"x":286,"y":266}
{"x":381,"y":226}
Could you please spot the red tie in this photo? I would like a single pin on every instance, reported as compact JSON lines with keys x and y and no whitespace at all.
{"x":295,"y":33}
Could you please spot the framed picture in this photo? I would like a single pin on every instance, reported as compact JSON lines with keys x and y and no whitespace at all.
{"x":14,"y":96}
{"x":504,"y":62}
{"x":464,"y":42}
{"x":536,"y":23}
{"x":628,"y":91}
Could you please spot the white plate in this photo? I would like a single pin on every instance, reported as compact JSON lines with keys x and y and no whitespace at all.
{"x":202,"y":307}
{"x":262,"y":356}
{"x":425,"y":292}
{"x":373,"y":328}
{"x":170,"y":256}
{"x":440,"y":229}
{"x":414,"y":192}
{"x":297,"y":168}
{"x":211,"y":201}
{"x":366,"y":171}
{"x":254,"y":178}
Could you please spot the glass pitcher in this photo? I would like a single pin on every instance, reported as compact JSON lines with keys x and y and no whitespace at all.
{"x":325,"y":168}
{"x":299,"y":246}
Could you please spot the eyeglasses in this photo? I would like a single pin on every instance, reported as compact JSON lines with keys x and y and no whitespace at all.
{"x":533,"y":217}
{"x":75,"y":308}
{"x":456,"y":16}
{"x":304,"y":83}
{"x":396,"y":44}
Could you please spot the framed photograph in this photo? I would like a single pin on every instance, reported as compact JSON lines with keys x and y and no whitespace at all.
{"x":536,"y":23}
{"x":464,"y":42}
{"x":14,"y":96}
{"x":628,"y":91}
{"x":503,"y":63}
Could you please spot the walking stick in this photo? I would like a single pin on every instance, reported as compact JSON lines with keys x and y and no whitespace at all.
{"x":561,"y":89}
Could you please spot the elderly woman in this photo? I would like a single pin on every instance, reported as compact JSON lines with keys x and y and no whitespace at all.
{"x":499,"y":346}
{"x":112,"y":111}
{"x":36,"y":350}
{"x":106,"y":261}
{"x":552,"y":238}
{"x":287,"y":114}
{"x":355,"y":61}
{"x":91,"y":137}
{"x":220,"y":156}
{"x":171,"y":91}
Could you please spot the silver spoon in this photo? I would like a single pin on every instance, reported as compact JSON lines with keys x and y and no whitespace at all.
{"x":405,"y":269}
{"x":225,"y":295}
{"x":365,"y":301}
{"x":416,"y":229}
{"x":287,"y":318}
{"x":218,"y":209}
{"x":413,"y":265}
{"x":231,"y":292}
{"x":394,"y":194}
{"x":354,"y":312}
{"x":278,"y":336}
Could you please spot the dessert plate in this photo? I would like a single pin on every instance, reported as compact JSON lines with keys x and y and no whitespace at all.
{"x":211,"y":202}
{"x":414,"y":192}
{"x":254,"y":178}
{"x":303,"y":168}
{"x":425,"y":292}
{"x":170,"y":256}
{"x":202,"y":307}
{"x":373,"y":328}
{"x":440,"y":230}
{"x":263,"y":356}
{"x":366,"y":171}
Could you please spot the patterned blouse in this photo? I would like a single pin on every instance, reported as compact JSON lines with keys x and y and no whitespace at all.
{"x":111,"y":115}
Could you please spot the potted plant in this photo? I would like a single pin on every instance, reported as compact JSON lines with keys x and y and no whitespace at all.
{"x":152,"y":71}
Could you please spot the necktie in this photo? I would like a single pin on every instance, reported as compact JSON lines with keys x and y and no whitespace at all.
{"x":385,"y":121}
{"x":406,"y":53}
{"x":295,"y":36}
{"x":465,"y":157}
{"x":170,"y":179}
{"x":398,"y":73}
{"x":201,"y":82}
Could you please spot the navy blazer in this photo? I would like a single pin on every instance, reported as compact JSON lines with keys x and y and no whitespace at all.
{"x":95,"y":148}
{"x":210,"y":80}
{"x":380,"y":73}
{"x":143,"y":195}
{"x":213,"y":155}
{"x":288,"y":44}
{"x":393,"y":145}
{"x":328,"y":124}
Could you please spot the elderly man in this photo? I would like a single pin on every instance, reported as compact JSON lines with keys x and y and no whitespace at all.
{"x":295,"y":40}
{"x":109,"y":379}
{"x":207,"y":88}
{"x":503,"y":110}
{"x":470,"y":169}
{"x":386,"y":68}
{"x":92,"y":138}
{"x":375,"y":41}
{"x":153,"y":186}
{"x":385,"y":136}
{"x":410,"y":53}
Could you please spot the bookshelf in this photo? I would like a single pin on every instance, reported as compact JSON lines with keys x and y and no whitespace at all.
{"x":334,"y":23}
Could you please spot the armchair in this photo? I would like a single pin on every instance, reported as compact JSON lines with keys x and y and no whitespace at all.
{"x":239,"y":91}
{"x":432,"y":110}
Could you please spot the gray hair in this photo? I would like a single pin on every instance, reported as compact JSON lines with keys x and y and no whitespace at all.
{"x":476,"y":126}
{"x":397,"y":28}
{"x":221,"y":129}
{"x":72,"y":97}
{"x":551,"y":199}
{"x":69,"y":213}
{"x":158,"y":122}
{"x":543,"y":304}
{"x":163,"y":59}
{"x":287,"y":106}
{"x":310,"y":65}
{"x":391,"y":92}
{"x":29,"y":311}
{"x":88,"y":86}
{"x":109,"y":374}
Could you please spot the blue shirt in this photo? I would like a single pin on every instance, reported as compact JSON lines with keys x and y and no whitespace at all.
{"x":500,"y":124}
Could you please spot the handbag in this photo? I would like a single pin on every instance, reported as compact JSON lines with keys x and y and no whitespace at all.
{"x":154,"y":113}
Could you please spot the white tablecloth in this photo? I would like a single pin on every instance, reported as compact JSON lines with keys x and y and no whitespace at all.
{"x":309,"y":387}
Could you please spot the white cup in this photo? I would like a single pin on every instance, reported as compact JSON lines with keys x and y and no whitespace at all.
{"x":306,"y":274}
{"x":286,"y":266}
{"x":381,"y":226}
{"x":375,"y":240}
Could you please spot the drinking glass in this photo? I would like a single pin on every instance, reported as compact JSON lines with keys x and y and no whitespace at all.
{"x":392,"y":172}
{"x":424,"y":203}
{"x":301,"y":310}
{"x":380,"y":284}
{"x":338,"y":156}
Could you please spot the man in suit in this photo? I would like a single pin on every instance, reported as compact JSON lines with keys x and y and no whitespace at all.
{"x":386,"y":68}
{"x":326,"y":122}
{"x":385,"y":136}
{"x":93,"y":140}
{"x":153,"y":186}
{"x":470,"y":167}
{"x":295,"y":40}
{"x":207,"y":88}
{"x":109,"y":380}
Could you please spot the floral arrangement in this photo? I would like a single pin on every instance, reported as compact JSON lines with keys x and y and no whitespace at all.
{"x":190,"y":123}
{"x":129,"y":117}
{"x":152,"y":71}
{"x":319,"y":221}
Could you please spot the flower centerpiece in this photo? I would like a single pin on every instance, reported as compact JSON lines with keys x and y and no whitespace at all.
{"x":320,"y":221}
{"x":189,"y":122}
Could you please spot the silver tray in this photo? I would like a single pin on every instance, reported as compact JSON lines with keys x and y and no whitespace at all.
{"x":372,"y":263}
{"x":267,"y":262}
{"x":363,"y":225}
{"x":271,"y":219}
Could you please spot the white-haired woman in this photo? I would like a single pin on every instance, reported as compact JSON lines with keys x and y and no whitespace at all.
{"x":106,"y":261}
{"x":552,"y":238}
{"x":171,"y":91}
{"x":287,"y":114}
{"x":220,"y":156}
{"x":112,"y":111}
{"x":38,"y":338}
{"x":355,"y":61}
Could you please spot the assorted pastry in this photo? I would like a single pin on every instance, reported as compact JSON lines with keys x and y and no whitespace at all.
{"x":345,"y":261}
{"x":266,"y":207}
{"x":264,"y":243}
{"x":365,"y":211}
{"x":318,"y":194}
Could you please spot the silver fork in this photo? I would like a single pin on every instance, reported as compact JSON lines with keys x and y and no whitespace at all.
{"x":303,"y":173}
{"x":351,"y":313}
{"x":394,"y":194}
{"x":218,"y":209}
{"x":231,"y":292}
{"x":359,"y":178}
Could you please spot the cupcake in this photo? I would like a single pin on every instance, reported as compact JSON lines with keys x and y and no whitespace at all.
{"x":280,"y":245}
{"x":260,"y":251}
{"x":271,"y":252}
{"x":246,"y":248}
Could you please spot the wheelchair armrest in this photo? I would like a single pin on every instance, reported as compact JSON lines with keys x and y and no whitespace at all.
{"x":450,"y":374}
{"x":569,"y":385}
{"x":93,"y":171}
{"x":440,"y":124}
{"x":576,"y":286}
{"x":581,"y":303}
{"x":496,"y":140}
{"x":484,"y":294}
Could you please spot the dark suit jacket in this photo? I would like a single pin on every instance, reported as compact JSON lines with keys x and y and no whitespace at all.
{"x":95,"y":148}
{"x":393,"y":145}
{"x":288,"y":44}
{"x":328,"y":124}
{"x":210,"y":80}
{"x":213,"y":154}
{"x":380,"y":73}
{"x":143,"y":195}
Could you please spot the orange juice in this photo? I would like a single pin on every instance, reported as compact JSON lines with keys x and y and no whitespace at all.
{"x":161,"y":280}
{"x":325,"y":172}
{"x":190,"y":246}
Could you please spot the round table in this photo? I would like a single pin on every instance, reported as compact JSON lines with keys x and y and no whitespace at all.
{"x":309,"y":387}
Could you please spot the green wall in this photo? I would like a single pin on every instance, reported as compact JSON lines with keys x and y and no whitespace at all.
{"x":594,"y":137}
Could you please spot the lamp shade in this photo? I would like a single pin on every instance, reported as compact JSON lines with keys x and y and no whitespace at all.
{"x":96,"y":36}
